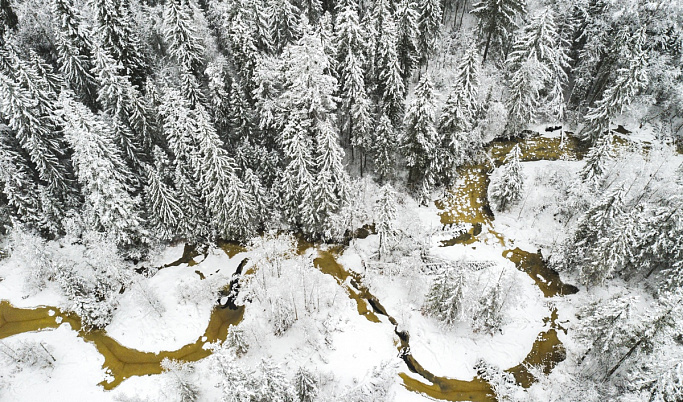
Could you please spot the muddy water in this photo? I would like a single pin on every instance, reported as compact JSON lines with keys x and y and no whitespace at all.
{"x":465,"y":204}
{"x":120,"y":362}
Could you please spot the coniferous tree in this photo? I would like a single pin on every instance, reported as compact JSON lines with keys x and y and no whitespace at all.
{"x":385,"y":149}
{"x":406,"y":17}
{"x":597,"y":159}
{"x":119,"y":37}
{"x":445,"y":300}
{"x":305,"y":385}
{"x":421,"y":139}
{"x":390,"y":84}
{"x":232,"y":207}
{"x":308,"y":136}
{"x":28,"y":107}
{"x":183,"y":40}
{"x":428,"y":26}
{"x":459,"y":113}
{"x":536,"y":68}
{"x":166,"y":212}
{"x":101,"y":171}
{"x":283,"y":16}
{"x":617,"y":97}
{"x":506,"y":189}
{"x":178,"y":127}
{"x":385,"y":209}
{"x":124,"y":104}
{"x":355,"y":111}
{"x":74,"y":50}
{"x":497,"y":20}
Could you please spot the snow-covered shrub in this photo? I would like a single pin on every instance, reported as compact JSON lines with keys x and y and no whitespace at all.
{"x":149,"y":299}
{"x":446,"y":300}
{"x":503,"y":383}
{"x":179,"y":379}
{"x":495,"y":120}
{"x":265,"y":383}
{"x":507,"y":182}
{"x":305,"y":385}
{"x":282,"y":316}
{"x":196,"y":291}
{"x":375,"y":386}
{"x":237,"y":340}
{"x":487,"y":315}
{"x":23,"y":355}
{"x":33,"y":252}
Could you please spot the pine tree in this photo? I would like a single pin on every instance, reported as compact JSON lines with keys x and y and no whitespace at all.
{"x":305,"y":385}
{"x":385,"y":149}
{"x":617,"y":97}
{"x":428,"y":26}
{"x":119,"y":37}
{"x":421,"y":139}
{"x":74,"y":50}
{"x":597,"y":159}
{"x":183,"y":41}
{"x":506,"y":189}
{"x":385,"y":210}
{"x":165,"y":210}
{"x":406,"y":17}
{"x":101,"y":171}
{"x":390,"y":85}
{"x":284,"y":22}
{"x":459,"y":113}
{"x":536,"y":68}
{"x":497,"y":20}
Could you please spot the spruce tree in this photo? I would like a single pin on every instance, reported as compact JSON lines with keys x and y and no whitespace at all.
{"x":385,"y":210}
{"x":445,"y":299}
{"x":596,"y":160}
{"x":506,"y":189}
{"x":28,"y":107}
{"x":119,"y":37}
{"x":385,"y":149}
{"x":629,"y":80}
{"x":355,"y":111}
{"x":305,"y":385}
{"x":536,"y":69}
{"x":232,"y":208}
{"x":390,"y":85}
{"x":165,"y":210}
{"x":406,"y":17}
{"x":283,"y":16}
{"x":101,"y":171}
{"x":428,"y":26}
{"x":74,"y":50}
{"x":421,"y":139}
{"x":497,"y":21}
{"x":181,"y":34}
{"x":459,"y":113}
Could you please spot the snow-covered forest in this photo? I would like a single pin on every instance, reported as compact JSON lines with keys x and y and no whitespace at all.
{"x":341,"y":200}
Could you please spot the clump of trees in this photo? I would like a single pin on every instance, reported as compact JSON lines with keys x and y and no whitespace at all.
{"x":450,"y":297}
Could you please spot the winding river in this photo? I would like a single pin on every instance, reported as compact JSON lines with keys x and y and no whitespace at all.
{"x":466,"y":203}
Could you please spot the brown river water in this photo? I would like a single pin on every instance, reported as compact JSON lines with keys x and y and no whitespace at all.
{"x":464,"y":204}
